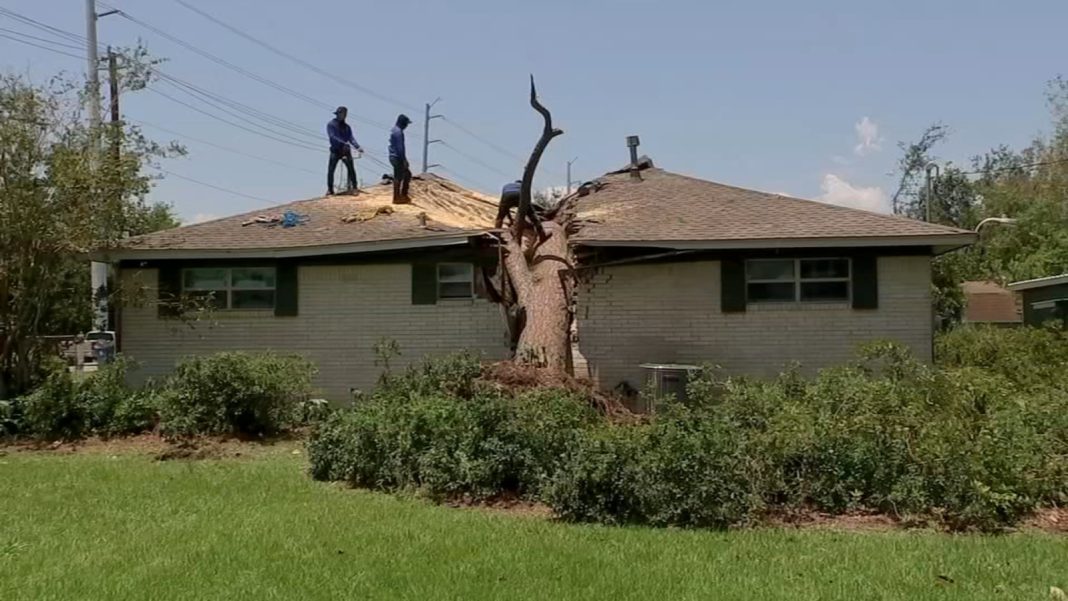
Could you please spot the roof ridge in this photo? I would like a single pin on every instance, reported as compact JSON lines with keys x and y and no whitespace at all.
{"x":776,"y":195}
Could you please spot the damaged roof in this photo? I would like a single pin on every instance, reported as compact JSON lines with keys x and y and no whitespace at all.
{"x":669,"y":210}
{"x":441,"y":212}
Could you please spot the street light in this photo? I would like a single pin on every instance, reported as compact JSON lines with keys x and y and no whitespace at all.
{"x":1002,"y":220}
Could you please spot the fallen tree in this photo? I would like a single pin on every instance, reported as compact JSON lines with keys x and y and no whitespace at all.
{"x":537,"y":281}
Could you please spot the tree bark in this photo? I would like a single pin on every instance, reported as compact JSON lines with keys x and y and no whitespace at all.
{"x":538,"y":268}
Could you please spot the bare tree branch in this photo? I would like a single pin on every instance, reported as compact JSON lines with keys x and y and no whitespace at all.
{"x":525,"y":212}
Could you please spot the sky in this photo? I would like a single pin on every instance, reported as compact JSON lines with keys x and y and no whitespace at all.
{"x":808,"y":99}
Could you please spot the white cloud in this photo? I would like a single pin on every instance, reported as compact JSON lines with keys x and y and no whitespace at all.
{"x":868,"y":138}
{"x":201,"y":218}
{"x":837,"y":191}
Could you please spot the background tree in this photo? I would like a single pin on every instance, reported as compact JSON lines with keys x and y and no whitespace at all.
{"x":1030,"y":185}
{"x":61,"y":197}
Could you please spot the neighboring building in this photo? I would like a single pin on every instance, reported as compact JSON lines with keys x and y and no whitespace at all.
{"x":989,"y":303}
{"x":682,"y":270}
{"x":672,"y":269}
{"x":1044,"y":299}
{"x":327,"y":289}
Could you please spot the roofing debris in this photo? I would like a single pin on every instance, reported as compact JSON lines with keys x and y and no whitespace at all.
{"x":438,"y":206}
{"x":286,"y":219}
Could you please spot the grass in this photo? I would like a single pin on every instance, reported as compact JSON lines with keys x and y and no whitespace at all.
{"x":95,"y":526}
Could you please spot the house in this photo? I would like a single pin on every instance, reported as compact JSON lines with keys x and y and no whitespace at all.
{"x":682,"y":270}
{"x":988,"y":302}
{"x":1044,"y":299}
{"x":671,"y":269}
{"x":355,"y":271}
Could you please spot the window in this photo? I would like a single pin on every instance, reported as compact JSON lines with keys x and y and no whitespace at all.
{"x":793,"y":280}
{"x":231,"y":288}
{"x":456,"y":280}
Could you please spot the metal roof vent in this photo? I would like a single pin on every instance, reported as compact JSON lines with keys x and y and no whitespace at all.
{"x":632,"y":143}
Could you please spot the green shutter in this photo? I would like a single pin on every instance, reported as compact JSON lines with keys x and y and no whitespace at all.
{"x":169,"y":290}
{"x":732,"y":285}
{"x":865,"y":282}
{"x":286,"y":289}
{"x":424,"y":283}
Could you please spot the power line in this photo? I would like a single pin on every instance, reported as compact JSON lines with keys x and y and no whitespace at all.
{"x":219,"y":188}
{"x":40,"y":46}
{"x":290,"y":142}
{"x":45,"y":40}
{"x":484,"y":140}
{"x":478,"y":161}
{"x":241,"y":70}
{"x":240,"y":110}
{"x":221,"y":147}
{"x":488,"y":143}
{"x":293,"y":58}
{"x":42,"y":26}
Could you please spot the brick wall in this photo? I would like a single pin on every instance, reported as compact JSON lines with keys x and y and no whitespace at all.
{"x":645,"y":313}
{"x":343,"y":312}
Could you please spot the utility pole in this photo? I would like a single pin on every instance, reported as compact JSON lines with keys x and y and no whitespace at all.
{"x":426,"y":135}
{"x":931,"y":168}
{"x":569,"y":163}
{"x":94,"y":64}
{"x":98,"y":272}
{"x":113,"y":96}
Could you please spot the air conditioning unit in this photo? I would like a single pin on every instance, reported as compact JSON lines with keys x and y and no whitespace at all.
{"x":669,"y":379}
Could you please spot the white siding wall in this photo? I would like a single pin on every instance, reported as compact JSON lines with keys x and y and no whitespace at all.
{"x":343,"y":312}
{"x":633,"y":314}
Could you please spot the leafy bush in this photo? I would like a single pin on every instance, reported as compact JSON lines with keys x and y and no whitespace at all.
{"x":976,"y":444}
{"x":434,"y":430}
{"x":99,"y":403}
{"x":1029,"y":357}
{"x":54,"y":410}
{"x":679,"y":470}
{"x":235,"y":393}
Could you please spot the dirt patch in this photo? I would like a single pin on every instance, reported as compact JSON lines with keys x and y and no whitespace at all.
{"x":511,"y":376}
{"x":852,"y":522}
{"x":1050,"y":519}
{"x":505,"y":503}
{"x":162,"y":449}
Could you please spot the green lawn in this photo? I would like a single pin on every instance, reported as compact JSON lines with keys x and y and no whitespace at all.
{"x":126,"y":527}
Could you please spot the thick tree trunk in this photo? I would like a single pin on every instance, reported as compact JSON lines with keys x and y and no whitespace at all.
{"x":537,"y":262}
{"x":543,"y":293}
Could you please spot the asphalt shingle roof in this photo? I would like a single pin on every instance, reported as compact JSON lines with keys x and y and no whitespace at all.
{"x":449,"y":209}
{"x":665,"y":206}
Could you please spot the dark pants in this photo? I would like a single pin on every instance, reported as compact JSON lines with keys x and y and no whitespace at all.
{"x":402,"y":178}
{"x":509,"y":201}
{"x":344,"y":155}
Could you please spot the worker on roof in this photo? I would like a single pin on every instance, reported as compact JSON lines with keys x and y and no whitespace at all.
{"x":509,"y":201}
{"x":342,"y":143}
{"x":398,"y":157}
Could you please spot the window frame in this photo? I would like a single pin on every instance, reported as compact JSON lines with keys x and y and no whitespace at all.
{"x":470,"y":281}
{"x":798,"y":280}
{"x":229,"y":287}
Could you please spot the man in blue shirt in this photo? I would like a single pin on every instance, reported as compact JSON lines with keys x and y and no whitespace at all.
{"x":398,"y":157}
{"x":341,"y":144}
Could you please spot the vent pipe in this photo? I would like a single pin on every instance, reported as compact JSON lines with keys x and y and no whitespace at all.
{"x":632,"y":144}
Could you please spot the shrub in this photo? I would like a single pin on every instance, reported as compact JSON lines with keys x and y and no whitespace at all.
{"x":967,"y":446}
{"x":98,"y":403}
{"x":253,"y":394}
{"x":436,"y":431}
{"x":54,"y":410}
{"x":680,"y":470}
{"x":1029,"y":357}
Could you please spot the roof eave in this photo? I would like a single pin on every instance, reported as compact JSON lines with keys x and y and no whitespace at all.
{"x":1055,"y":280}
{"x":939,"y":243}
{"x":133,"y":254}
